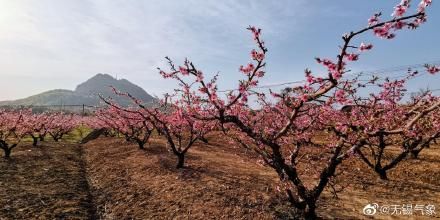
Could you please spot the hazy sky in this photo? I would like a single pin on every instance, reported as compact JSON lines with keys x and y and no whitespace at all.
{"x":49,"y":44}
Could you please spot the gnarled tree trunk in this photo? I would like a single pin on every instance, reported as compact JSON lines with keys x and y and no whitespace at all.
{"x":181,"y":160}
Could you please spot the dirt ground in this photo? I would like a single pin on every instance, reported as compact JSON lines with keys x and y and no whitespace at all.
{"x":45,"y":182}
{"x":110,"y":179}
{"x":413,"y":182}
{"x":130,"y":183}
{"x":224,"y":183}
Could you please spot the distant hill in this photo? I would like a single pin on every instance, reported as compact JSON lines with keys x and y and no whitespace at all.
{"x":86,"y":93}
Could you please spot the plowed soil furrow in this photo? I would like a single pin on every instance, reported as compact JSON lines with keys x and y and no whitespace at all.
{"x":45,"y":182}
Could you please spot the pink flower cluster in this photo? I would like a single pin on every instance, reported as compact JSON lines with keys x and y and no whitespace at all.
{"x":331,"y":67}
{"x":400,"y":9}
{"x":423,"y":4}
{"x":365,"y":47}
{"x":258,"y":56}
{"x":384,"y":31}
{"x":247,"y":69}
{"x":432,"y":69}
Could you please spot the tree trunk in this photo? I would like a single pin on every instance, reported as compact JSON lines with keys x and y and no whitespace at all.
{"x":181,"y":161}
{"x":204,"y":140}
{"x":41,"y":138}
{"x":382,"y":174}
{"x":310,"y":212}
{"x":7,"y":152}
{"x":141,"y":145}
{"x":34,"y":141}
{"x":415,"y":154}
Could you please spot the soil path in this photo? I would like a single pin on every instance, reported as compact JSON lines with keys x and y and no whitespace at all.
{"x":45,"y":182}
{"x":57,"y":181}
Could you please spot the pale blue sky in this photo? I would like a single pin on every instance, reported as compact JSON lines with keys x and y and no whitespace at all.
{"x":49,"y":44}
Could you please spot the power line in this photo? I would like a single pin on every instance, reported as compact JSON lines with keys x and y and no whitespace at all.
{"x":399,"y":68}
{"x":365,"y":73}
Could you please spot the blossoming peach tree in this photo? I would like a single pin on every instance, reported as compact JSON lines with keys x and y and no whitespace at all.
{"x":12,"y":130}
{"x":62,"y":124}
{"x":382,"y":121}
{"x":170,"y":118}
{"x":299,"y":132}
{"x":133,"y":126}
{"x":39,"y":125}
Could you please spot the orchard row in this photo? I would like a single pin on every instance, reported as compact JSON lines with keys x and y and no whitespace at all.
{"x":304,"y":132}
{"x":17,"y":125}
